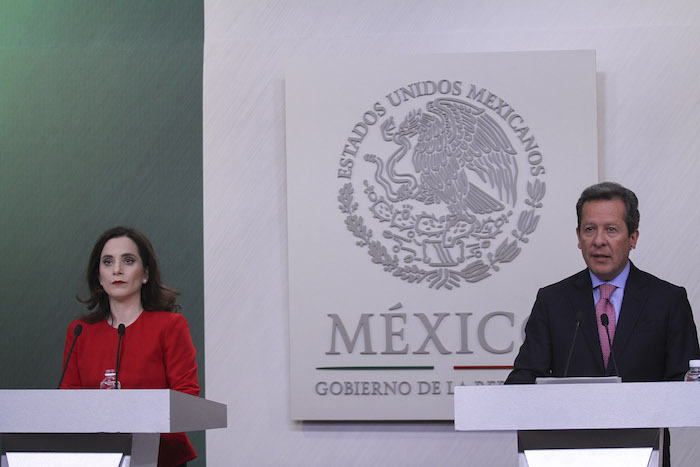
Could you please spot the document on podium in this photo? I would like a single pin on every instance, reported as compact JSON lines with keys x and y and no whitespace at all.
{"x":579,"y":380}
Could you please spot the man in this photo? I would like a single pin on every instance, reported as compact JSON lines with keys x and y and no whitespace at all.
{"x":652,"y":329}
{"x":650,"y":321}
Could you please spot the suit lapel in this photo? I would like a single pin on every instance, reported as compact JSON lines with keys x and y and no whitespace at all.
{"x":582,"y":300}
{"x":633,"y":303}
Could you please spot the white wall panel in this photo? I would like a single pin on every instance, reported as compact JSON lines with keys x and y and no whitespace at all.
{"x":648,"y":55}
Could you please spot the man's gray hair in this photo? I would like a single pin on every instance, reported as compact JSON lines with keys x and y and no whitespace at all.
{"x":612,"y":190}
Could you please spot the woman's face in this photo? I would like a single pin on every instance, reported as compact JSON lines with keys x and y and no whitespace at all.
{"x":121,"y":270}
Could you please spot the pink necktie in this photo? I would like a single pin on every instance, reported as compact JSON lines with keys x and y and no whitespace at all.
{"x":605,"y":307}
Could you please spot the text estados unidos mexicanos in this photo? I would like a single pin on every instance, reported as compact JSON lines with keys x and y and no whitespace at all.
{"x":443,"y":87}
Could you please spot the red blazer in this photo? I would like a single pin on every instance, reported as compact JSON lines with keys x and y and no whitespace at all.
{"x":156,"y":353}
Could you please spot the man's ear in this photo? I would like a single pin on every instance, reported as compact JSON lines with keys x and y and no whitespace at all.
{"x":578,"y":236}
{"x":633,"y":239}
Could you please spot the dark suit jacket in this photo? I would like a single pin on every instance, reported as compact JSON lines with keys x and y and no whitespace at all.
{"x":654,"y":338}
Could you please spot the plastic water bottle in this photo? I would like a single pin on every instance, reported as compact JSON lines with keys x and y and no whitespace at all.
{"x":110,"y":381}
{"x":694,"y":372}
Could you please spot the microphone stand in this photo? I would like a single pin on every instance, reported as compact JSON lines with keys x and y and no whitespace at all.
{"x":121,"y":329}
{"x":605,"y":321}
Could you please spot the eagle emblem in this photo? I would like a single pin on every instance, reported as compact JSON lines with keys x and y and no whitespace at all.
{"x":444,"y":191}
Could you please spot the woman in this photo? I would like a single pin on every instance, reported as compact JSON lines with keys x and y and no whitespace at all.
{"x":156,"y":350}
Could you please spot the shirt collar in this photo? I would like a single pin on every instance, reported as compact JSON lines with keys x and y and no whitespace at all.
{"x":618,"y":282}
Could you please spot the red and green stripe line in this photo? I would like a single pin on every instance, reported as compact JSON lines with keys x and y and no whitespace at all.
{"x":424,"y":367}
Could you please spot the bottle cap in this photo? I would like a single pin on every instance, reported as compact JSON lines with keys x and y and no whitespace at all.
{"x":694,"y":363}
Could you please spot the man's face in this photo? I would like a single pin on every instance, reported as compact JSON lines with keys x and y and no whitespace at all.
{"x":603,"y":237}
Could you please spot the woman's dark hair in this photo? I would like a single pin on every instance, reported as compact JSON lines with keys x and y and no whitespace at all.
{"x":154,"y":295}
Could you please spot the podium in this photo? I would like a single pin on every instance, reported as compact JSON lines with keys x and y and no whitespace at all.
{"x":125,"y":423}
{"x":580,"y":416}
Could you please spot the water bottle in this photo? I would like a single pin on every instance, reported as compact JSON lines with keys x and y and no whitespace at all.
{"x":110,"y":381}
{"x":694,"y":372}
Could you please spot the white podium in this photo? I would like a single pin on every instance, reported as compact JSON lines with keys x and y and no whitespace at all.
{"x":125,"y":422}
{"x":580,"y":416}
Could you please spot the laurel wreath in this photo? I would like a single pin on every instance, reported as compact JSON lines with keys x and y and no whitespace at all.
{"x":438,"y":278}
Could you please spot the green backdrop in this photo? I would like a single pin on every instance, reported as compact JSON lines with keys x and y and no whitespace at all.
{"x":100,"y":125}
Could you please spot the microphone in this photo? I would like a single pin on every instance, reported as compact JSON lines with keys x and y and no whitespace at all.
{"x":579,"y":316}
{"x":76,"y":332}
{"x":605,"y":321}
{"x":121,"y":330}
